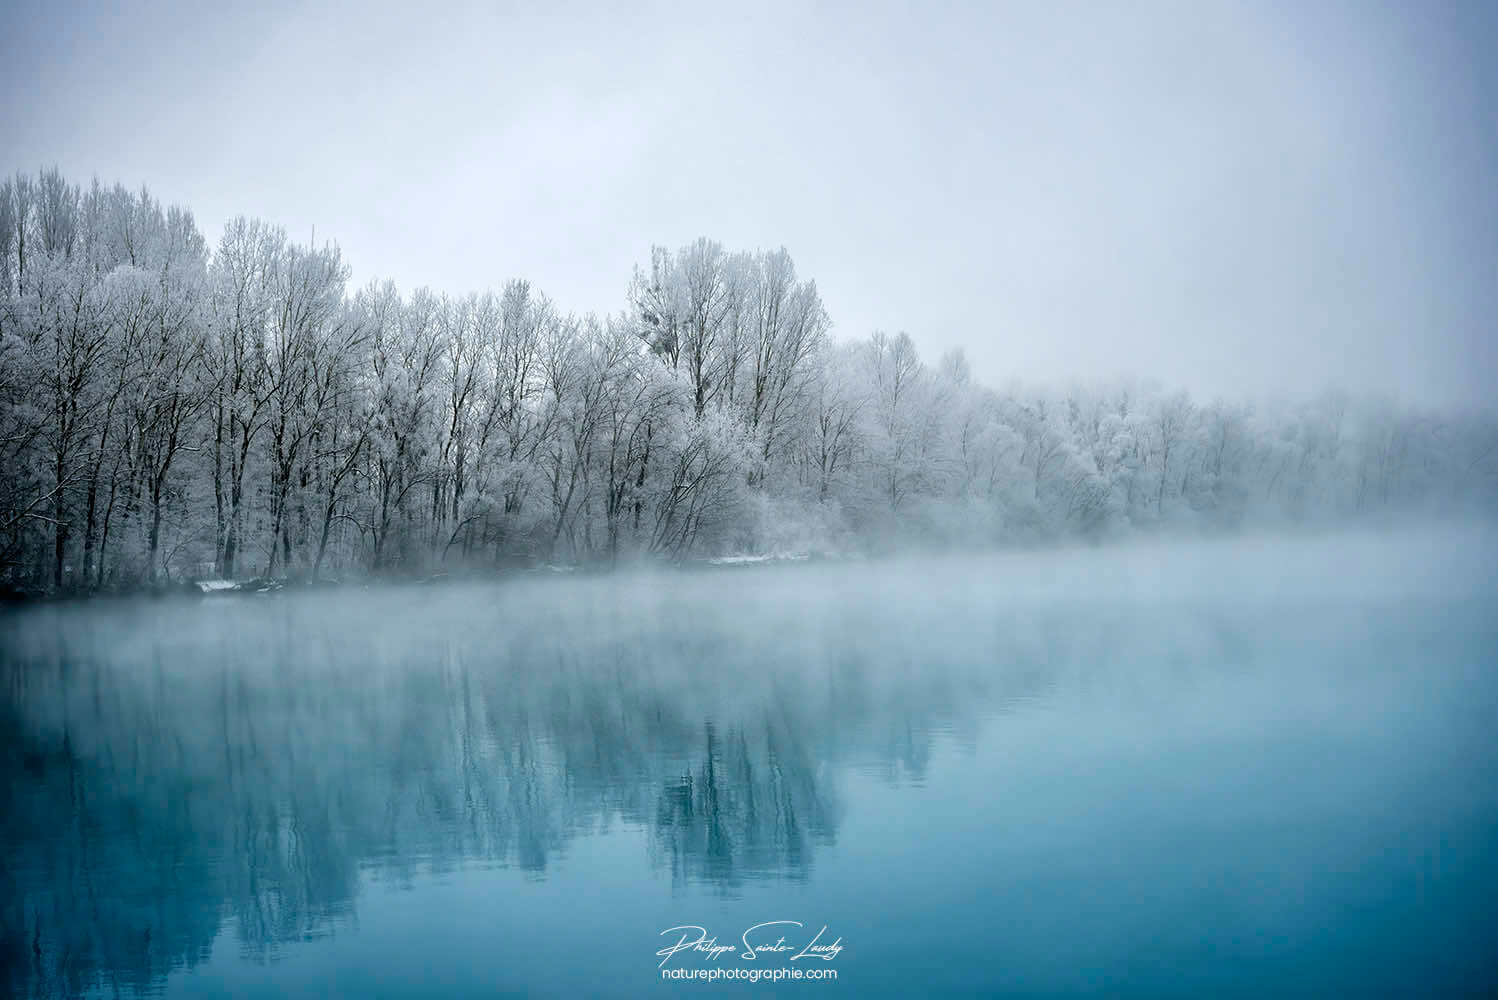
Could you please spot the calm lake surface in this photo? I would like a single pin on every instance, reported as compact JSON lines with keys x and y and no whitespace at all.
{"x":1251,"y":768}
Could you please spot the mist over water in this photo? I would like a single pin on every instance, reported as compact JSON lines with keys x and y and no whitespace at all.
{"x":1254,"y":767}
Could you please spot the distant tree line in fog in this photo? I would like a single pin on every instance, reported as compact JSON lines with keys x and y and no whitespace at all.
{"x":172,"y":410}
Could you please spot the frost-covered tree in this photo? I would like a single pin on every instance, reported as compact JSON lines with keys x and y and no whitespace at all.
{"x":167,"y":412}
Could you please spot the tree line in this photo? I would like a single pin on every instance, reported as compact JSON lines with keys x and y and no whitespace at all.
{"x":173,"y":410}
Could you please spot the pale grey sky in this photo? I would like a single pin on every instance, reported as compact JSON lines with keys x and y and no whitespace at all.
{"x":1241,"y":199}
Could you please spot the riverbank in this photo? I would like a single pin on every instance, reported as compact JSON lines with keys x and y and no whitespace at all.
{"x":214,"y":589}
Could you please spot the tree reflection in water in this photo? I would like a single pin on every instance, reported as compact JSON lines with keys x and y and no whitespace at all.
{"x":172,"y":770}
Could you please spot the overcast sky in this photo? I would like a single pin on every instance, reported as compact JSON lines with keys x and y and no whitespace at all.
{"x":1243,"y":199}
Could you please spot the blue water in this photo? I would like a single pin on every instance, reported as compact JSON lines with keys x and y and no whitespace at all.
{"x":1210,"y":769}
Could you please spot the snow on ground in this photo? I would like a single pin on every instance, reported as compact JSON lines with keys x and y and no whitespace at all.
{"x":743,"y":559}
